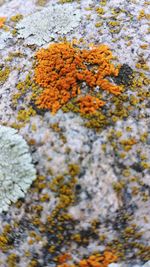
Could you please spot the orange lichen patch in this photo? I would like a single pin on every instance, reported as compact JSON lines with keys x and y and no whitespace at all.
{"x":63,"y":258}
{"x":89,"y":104}
{"x":66,"y":265}
{"x":130,"y":142}
{"x":97,"y":260}
{"x":2,"y":21}
{"x":62,"y":68}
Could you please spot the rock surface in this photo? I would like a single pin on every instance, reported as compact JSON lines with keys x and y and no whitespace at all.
{"x":92,"y":188}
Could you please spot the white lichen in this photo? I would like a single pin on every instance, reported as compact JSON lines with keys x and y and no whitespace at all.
{"x":16,"y":169}
{"x":41,"y":27}
{"x":4,"y":36}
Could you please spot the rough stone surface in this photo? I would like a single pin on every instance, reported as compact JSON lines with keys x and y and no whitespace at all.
{"x":111,"y":194}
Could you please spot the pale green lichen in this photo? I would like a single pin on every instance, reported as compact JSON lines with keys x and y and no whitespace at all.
{"x":16,"y":169}
{"x":4,"y":37}
{"x":41,"y":27}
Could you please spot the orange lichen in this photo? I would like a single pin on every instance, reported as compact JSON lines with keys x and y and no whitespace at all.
{"x":63,"y":258}
{"x":89,"y":104}
{"x":61,"y":68}
{"x":2,"y":21}
{"x":97,"y":260}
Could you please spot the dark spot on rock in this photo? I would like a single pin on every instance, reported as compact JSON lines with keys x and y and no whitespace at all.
{"x":82,"y":173}
{"x":78,"y":188}
{"x":125,"y":75}
{"x":137,"y":167}
{"x":40,"y":112}
{"x":117,"y":9}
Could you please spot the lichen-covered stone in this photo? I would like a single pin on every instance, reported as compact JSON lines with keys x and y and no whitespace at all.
{"x":16,"y":169}
{"x":41,"y":27}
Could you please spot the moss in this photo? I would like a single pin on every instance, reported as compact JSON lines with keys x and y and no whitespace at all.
{"x":4,"y":239}
{"x":56,"y":127}
{"x":98,"y":122}
{"x":16,"y":18}
{"x":17,"y":126}
{"x":33,"y":263}
{"x":70,"y":107}
{"x":23,"y":88}
{"x":4,"y":74}
{"x":128,"y":143}
{"x":41,"y":2}
{"x":113,"y":23}
{"x":74,"y":169}
{"x":143,"y":137}
{"x":103,"y":2}
{"x":145,"y":165}
{"x":98,"y":24}
{"x":6,"y":28}
{"x":14,"y":32}
{"x":25,"y":114}
{"x":12,"y":260}
{"x":100,"y":11}
{"x":3,"y":243}
{"x":118,"y":134}
{"x":13,"y":55}
{"x":44,"y":197}
{"x":118,"y":186}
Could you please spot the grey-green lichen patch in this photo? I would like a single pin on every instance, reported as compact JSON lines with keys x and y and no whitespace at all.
{"x":16,"y":169}
{"x":43,"y":26}
{"x":4,"y":37}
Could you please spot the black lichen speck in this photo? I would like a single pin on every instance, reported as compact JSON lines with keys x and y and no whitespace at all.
{"x":125,"y":75}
